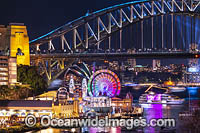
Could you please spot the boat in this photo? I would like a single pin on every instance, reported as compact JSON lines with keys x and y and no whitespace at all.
{"x":165,"y":98}
{"x":177,"y":89}
{"x":171,"y":99}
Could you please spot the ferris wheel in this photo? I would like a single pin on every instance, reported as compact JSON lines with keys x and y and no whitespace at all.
{"x":104,"y":83}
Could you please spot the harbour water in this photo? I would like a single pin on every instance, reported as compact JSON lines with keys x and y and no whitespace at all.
{"x":150,"y":111}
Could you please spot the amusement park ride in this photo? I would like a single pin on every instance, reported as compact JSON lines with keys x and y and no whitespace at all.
{"x":100,"y":83}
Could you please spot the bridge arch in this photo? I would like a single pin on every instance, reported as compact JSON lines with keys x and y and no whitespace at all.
{"x":88,"y":31}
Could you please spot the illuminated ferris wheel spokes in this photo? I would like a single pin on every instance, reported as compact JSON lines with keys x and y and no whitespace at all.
{"x":104,"y":83}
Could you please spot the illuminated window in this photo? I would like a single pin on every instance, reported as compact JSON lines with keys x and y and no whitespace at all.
{"x":1,"y":114}
{"x":13,"y":77}
{"x":3,"y":78}
{"x":13,"y":72}
{"x":3,"y":73}
{"x":3,"y":69}
{"x":3,"y":83}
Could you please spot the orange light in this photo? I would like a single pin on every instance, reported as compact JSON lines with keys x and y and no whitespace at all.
{"x":169,"y":83}
{"x":196,"y":56}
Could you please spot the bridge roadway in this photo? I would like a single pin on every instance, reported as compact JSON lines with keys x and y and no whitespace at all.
{"x":94,"y":56}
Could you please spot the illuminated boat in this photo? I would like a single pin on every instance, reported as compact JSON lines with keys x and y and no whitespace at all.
{"x":152,"y":98}
{"x":171,"y":99}
{"x":177,"y":89}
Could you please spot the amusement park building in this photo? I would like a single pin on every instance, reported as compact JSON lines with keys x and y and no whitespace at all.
{"x":22,"y":108}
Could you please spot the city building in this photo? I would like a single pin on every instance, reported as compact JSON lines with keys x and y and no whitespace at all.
{"x":38,"y":108}
{"x":8,"y":70}
{"x":131,"y":62}
{"x":114,"y":65}
{"x":193,"y":71}
{"x":156,"y":64}
{"x":120,"y":105}
{"x":22,"y":108}
{"x":193,"y":48}
{"x":140,"y":68}
{"x":99,"y":104}
{"x":67,"y":109}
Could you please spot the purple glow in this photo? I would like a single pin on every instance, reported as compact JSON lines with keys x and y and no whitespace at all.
{"x":155,"y":112}
{"x":156,"y":97}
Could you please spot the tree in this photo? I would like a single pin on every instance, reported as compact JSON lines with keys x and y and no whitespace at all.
{"x":29,"y":75}
{"x":4,"y":92}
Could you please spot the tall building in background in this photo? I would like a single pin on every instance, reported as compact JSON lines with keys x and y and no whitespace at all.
{"x":14,"y":41}
{"x":4,"y":39}
{"x":131,"y":62}
{"x":156,"y":64}
{"x":193,"y":71}
{"x":193,"y":48}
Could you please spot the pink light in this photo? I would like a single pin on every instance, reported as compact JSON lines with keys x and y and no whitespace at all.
{"x":156,"y":97}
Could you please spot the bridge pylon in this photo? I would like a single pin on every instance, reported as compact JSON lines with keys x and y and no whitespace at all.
{"x":19,"y":44}
{"x":15,"y":42}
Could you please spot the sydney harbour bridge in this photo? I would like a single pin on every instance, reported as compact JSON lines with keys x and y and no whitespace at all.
{"x":138,"y":29}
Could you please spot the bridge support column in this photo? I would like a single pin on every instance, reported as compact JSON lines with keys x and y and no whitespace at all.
{"x":152,"y":31}
{"x":120,"y":39}
{"x":172,"y":23}
{"x":109,"y":42}
{"x":182,"y":43}
{"x":61,"y":64}
{"x":86,"y":35}
{"x":142,"y":34}
{"x":162,"y":32}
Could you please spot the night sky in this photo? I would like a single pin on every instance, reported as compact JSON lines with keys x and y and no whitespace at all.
{"x":42,"y":16}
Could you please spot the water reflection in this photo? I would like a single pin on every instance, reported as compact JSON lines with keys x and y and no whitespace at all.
{"x":158,"y":111}
{"x":193,"y":91}
{"x":103,"y":130}
{"x":150,"y":111}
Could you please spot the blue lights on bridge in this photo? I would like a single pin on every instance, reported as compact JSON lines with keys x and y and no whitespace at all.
{"x":143,"y":26}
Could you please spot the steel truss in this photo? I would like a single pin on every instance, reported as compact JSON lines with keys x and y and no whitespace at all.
{"x":90,"y":30}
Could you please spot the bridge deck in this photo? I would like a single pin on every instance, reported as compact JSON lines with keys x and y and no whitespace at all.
{"x":95,"y":56}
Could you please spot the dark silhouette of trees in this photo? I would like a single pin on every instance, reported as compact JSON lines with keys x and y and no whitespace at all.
{"x":29,"y":75}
